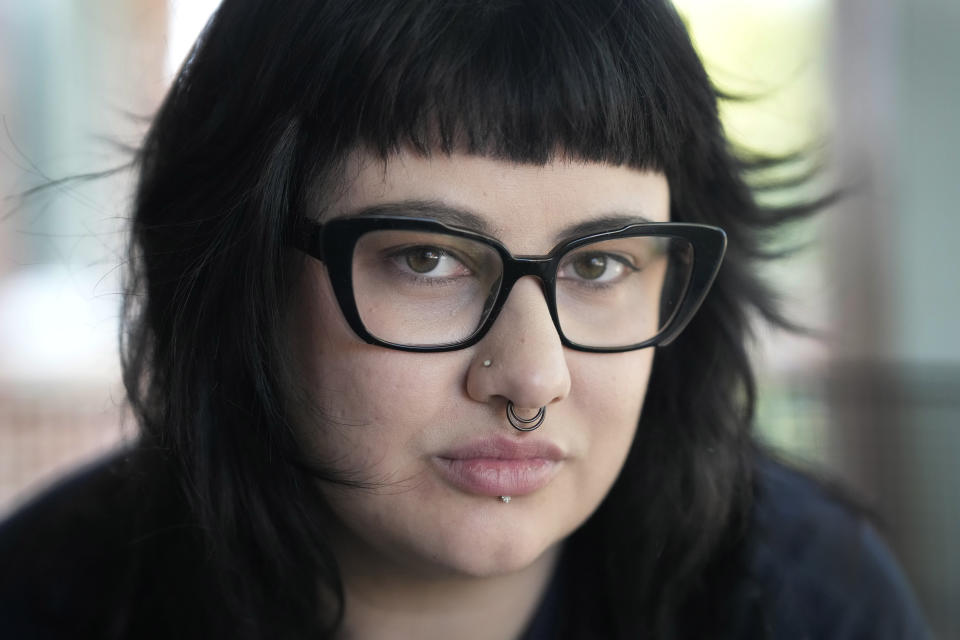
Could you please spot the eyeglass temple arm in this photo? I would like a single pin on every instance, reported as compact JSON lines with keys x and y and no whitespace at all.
{"x":702,"y":285}
{"x":308,"y":237}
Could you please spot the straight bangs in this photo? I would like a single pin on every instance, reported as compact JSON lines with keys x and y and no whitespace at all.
{"x":522,"y":81}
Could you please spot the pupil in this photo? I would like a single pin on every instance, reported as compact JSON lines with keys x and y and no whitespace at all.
{"x":590,"y":267}
{"x":423,"y":260}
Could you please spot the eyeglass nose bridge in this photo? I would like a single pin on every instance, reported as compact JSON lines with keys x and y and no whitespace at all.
{"x":514,"y":268}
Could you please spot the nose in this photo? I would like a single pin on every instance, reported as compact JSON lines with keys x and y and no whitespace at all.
{"x":528,"y":364}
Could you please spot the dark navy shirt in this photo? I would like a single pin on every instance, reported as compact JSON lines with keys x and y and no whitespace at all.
{"x":86,"y":560}
{"x":825,"y":572}
{"x":816,"y":570}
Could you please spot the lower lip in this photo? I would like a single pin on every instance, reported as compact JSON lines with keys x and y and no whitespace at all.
{"x":498,"y":477}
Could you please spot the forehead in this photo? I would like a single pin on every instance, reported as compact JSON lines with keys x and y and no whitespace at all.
{"x":528,"y":207}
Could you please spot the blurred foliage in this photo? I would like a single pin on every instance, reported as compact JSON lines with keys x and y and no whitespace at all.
{"x":773,"y":55}
{"x":770,"y":57}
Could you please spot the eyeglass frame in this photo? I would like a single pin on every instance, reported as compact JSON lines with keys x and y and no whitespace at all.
{"x":333,"y":243}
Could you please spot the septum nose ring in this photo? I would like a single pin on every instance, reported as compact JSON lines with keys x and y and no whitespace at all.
{"x":525,"y":424}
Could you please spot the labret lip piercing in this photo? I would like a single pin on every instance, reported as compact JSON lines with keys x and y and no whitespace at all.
{"x":504,"y":499}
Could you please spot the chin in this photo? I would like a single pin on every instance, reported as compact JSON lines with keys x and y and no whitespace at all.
{"x":497,"y":560}
{"x":488,"y":546}
{"x":467,"y":536}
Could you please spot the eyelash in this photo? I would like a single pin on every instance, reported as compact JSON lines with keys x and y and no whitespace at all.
{"x":398,"y":253}
{"x":595,"y":284}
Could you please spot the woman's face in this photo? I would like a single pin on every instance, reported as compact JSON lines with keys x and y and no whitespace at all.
{"x":425,"y":428}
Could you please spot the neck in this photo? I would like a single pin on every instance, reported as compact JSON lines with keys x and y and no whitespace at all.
{"x":384,"y":600}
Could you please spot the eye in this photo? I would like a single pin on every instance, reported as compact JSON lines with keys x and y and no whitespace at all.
{"x":432,"y":261}
{"x":596,"y":267}
{"x":590,"y":267}
{"x":423,"y":260}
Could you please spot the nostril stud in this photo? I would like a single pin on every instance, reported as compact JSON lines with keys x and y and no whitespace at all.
{"x":487,"y":363}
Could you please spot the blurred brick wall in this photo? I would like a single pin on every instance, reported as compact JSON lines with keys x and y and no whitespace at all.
{"x":43,"y":435}
{"x":88,"y":75}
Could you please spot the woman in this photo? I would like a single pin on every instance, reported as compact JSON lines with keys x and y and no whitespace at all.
{"x":419,"y":343}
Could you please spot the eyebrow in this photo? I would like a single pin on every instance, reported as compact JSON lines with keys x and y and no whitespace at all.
{"x":472,"y":221}
{"x":453,"y":216}
{"x":608,"y":222}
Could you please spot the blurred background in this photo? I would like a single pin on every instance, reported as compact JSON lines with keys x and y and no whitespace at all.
{"x":868,"y":88}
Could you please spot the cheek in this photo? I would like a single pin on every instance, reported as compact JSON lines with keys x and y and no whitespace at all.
{"x":358,"y":401}
{"x":612,"y":389}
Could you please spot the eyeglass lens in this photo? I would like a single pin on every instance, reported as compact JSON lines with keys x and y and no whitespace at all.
{"x":425,"y":289}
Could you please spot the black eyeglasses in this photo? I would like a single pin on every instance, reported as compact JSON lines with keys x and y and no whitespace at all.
{"x":420,"y":285}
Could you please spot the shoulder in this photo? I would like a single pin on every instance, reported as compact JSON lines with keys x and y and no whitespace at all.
{"x":82,"y":559}
{"x":61,"y":549}
{"x":821,"y":569}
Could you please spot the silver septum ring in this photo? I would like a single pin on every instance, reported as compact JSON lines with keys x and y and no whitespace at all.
{"x":525,"y":424}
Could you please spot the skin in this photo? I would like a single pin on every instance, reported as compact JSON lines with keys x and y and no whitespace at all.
{"x":420,"y":557}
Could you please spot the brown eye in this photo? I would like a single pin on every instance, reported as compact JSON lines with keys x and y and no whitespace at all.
{"x":423,"y":259}
{"x":590,"y":266}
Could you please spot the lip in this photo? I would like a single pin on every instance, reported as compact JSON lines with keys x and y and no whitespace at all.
{"x":500,"y":466}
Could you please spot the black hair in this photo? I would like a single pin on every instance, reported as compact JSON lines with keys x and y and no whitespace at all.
{"x":269,"y":102}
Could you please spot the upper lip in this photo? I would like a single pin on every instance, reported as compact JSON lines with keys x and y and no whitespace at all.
{"x":502,"y":448}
